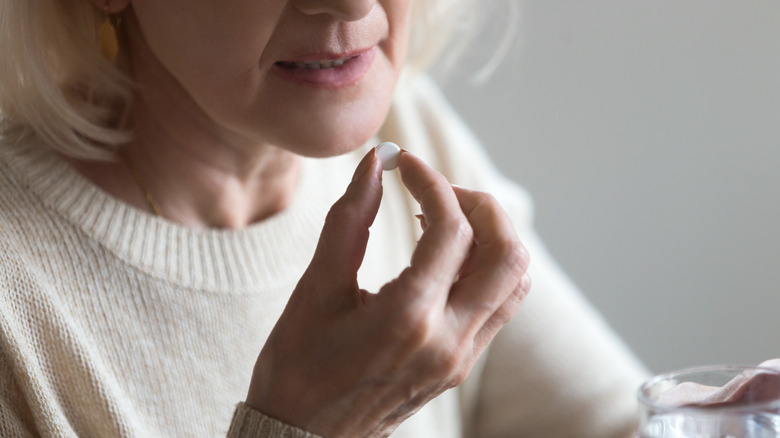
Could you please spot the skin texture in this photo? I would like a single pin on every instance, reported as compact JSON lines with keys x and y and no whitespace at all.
{"x":219,"y":136}
{"x":342,"y":362}
{"x":223,"y":56}
{"x":218,"y":132}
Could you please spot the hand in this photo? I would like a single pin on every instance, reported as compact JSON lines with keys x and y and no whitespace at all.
{"x":343,"y":362}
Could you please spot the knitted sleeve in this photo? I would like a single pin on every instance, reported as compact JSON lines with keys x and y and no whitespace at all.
{"x":10,"y":425}
{"x":249,"y":423}
{"x":12,"y":419}
{"x":16,"y":419}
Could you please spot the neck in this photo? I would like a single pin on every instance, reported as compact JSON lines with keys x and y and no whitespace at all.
{"x":213,"y":184}
{"x":197,"y":179}
{"x":201,"y":173}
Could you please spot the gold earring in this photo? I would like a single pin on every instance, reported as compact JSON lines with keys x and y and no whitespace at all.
{"x":109,"y":44}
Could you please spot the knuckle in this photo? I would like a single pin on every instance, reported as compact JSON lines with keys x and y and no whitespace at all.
{"x":336,"y":213}
{"x":525,"y":286}
{"x":502,"y":317}
{"x":459,"y":377}
{"x":342,"y":215}
{"x":434,"y":188}
{"x":460,"y":229}
{"x":448,"y":364}
{"x":507,"y":311}
{"x":514,"y":255}
{"x":456,"y":371}
{"x":486,"y":202}
{"x":415,"y":326}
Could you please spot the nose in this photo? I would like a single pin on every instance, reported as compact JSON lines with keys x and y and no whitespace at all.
{"x":344,"y":10}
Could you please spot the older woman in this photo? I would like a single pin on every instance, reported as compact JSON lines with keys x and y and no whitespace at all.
{"x":169,"y":211}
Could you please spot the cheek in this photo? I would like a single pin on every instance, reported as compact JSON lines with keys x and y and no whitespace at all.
{"x":399,"y":18}
{"x":206,"y":45}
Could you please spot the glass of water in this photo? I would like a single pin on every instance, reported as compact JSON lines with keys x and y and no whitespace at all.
{"x":711,"y":402}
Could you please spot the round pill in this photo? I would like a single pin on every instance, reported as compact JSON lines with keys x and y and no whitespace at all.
{"x":388,"y":153}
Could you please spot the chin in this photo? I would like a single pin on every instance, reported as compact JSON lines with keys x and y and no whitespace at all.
{"x":328,"y":136}
{"x":328,"y":145}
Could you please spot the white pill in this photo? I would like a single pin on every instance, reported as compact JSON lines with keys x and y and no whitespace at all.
{"x":388,"y":153}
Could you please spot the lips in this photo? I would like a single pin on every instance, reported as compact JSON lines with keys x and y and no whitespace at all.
{"x":315,"y":64}
{"x":327,"y":70}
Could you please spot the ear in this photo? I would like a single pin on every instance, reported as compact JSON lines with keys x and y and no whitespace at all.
{"x":114,"y":6}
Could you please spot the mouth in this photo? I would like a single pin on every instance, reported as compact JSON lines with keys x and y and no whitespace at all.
{"x":317,"y":64}
{"x":327,"y":70}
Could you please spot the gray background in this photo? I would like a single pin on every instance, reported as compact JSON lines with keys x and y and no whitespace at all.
{"x":647,"y":133}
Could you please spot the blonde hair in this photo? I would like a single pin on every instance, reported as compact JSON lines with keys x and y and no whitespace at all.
{"x":56,"y":85}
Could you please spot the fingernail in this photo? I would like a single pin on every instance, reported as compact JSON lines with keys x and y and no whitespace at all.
{"x":421,"y":218}
{"x":364,"y":165}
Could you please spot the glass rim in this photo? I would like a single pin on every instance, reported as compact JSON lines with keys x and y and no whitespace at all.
{"x":646,"y":401}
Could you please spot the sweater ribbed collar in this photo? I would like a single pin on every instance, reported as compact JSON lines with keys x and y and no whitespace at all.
{"x":271,"y":253}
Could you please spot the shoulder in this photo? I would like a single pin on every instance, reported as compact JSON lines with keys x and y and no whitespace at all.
{"x":22,"y":248}
{"x":24,"y":243}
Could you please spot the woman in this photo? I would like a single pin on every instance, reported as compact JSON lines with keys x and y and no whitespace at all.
{"x":162,"y":224}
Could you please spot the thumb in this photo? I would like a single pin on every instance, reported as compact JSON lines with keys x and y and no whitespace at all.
{"x":342,"y":243}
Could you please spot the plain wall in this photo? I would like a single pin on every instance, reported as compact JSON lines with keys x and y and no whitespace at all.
{"x":647,"y":133}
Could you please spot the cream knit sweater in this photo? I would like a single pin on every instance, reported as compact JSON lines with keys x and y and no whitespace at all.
{"x":115,"y":323}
